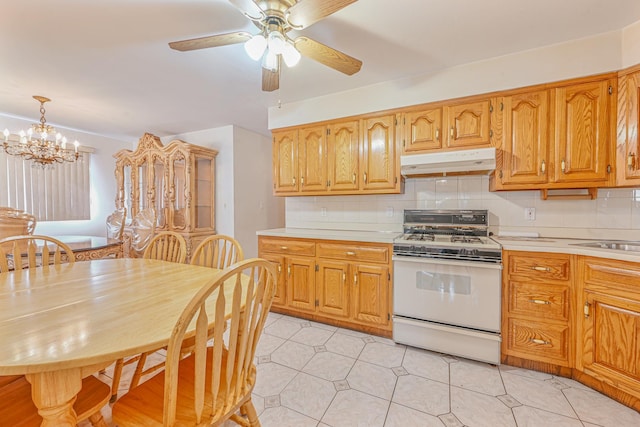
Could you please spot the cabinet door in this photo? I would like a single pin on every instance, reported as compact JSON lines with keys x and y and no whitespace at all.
{"x":344,"y":156}
{"x":583,"y":132}
{"x":468,"y":124}
{"x":333,"y":288}
{"x":611,"y":339}
{"x":526,"y":138}
{"x":370,"y":292}
{"x":312,"y":158}
{"x":280,"y":298}
{"x":379,"y":154}
{"x":422,"y":131}
{"x":301,"y":283}
{"x":285,"y":161}
{"x":628,"y":162}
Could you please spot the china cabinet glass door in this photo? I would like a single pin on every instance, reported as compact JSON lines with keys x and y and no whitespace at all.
{"x":179,"y":193}
{"x":204,"y":194}
{"x":158,"y":175}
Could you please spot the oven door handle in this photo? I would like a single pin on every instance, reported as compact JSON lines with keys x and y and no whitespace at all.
{"x":421,"y":260}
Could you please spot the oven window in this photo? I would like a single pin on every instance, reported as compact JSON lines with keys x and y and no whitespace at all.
{"x":443,"y":283}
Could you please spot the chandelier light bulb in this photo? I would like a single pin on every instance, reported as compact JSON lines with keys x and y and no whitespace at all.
{"x":291,"y":55}
{"x":255,"y":46}
{"x":276,"y":42}
{"x":270,"y":61}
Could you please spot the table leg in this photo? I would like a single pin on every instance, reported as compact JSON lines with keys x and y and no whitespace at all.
{"x":54,"y":394}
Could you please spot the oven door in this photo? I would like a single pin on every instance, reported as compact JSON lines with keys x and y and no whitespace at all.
{"x":458,"y":293}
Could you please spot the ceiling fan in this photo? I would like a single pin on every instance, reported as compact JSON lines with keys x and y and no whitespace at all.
{"x":274,"y":19}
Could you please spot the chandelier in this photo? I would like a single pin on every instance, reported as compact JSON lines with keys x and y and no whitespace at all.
{"x":41,"y":143}
{"x":271,"y":43}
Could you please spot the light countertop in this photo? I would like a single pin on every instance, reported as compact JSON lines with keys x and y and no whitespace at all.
{"x":561,"y":245}
{"x":310,"y":233}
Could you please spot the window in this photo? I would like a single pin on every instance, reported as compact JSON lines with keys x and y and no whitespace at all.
{"x":57,"y":194}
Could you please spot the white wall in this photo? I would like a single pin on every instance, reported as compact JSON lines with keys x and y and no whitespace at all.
{"x":614,"y":214}
{"x":593,"y":55}
{"x":631,"y":45}
{"x":103,"y":184}
{"x":244,"y":200}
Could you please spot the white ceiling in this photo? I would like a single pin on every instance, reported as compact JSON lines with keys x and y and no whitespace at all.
{"x":107,"y":67}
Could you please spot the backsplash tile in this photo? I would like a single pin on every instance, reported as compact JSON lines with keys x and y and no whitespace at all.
{"x":614,"y":214}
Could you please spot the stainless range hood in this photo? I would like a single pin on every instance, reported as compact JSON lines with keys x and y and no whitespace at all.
{"x":472,"y":161}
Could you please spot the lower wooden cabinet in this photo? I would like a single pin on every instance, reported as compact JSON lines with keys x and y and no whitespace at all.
{"x":343,"y":283}
{"x":609,"y":325}
{"x":536,"y":295}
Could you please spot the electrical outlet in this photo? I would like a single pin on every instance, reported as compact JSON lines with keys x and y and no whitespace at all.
{"x":390,"y":211}
{"x":530,"y":214}
{"x":323,"y":211}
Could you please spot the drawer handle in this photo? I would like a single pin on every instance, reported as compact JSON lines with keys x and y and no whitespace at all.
{"x":540,"y":301}
{"x":350,"y":253}
{"x":540,"y":342}
{"x":284,"y":248}
{"x":537,"y":268}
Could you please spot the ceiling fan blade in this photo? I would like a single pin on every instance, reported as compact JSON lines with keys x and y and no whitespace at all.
{"x":270,"y":79}
{"x":306,"y":12}
{"x":210,"y":41}
{"x":328,"y":56}
{"x":249,"y":8}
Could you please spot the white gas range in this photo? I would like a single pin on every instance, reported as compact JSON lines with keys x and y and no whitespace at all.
{"x":447,"y":284}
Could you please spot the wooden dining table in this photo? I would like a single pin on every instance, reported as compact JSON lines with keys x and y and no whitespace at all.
{"x":59,"y":324}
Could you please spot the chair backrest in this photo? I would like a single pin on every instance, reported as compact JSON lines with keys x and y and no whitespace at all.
{"x":167,"y":246}
{"x":14,"y":222}
{"x":33,"y":251}
{"x":248,"y":287}
{"x":218,"y":251}
{"x":115,"y":224}
{"x":143,"y":227}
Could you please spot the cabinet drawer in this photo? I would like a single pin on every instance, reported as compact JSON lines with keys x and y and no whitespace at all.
{"x":287,"y":246}
{"x":545,"y":342}
{"x":543,"y":301}
{"x":547,"y":267}
{"x":353,"y":252}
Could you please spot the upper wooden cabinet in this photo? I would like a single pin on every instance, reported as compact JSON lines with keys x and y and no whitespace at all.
{"x":341,"y":157}
{"x":451,"y":126}
{"x":300,"y":160}
{"x":628,"y":141}
{"x":178,"y":181}
{"x":557,"y":137}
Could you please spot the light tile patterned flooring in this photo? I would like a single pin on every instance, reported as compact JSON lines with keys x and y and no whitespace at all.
{"x":312,"y":374}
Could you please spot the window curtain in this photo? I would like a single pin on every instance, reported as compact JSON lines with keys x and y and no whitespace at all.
{"x":59,"y":193}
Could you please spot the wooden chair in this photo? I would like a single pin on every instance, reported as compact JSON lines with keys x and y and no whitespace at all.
{"x":17,"y":407}
{"x":14,"y":222}
{"x":33,"y":251}
{"x":143,"y":228}
{"x":215,"y":382}
{"x":115,"y":224}
{"x":167,"y":246}
{"x":218,"y":251}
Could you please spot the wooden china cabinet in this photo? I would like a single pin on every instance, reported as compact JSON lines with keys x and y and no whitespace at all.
{"x":177,"y":180}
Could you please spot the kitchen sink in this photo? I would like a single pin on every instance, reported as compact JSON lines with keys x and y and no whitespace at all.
{"x":620,"y":245}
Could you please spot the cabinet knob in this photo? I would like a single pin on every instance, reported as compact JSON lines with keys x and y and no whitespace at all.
{"x":294,"y":181}
{"x":365,"y":177}
{"x":539,"y":301}
{"x":354,"y":177}
{"x":452,"y":132}
{"x":355,"y":279}
{"x":302,"y":181}
{"x":631,"y":161}
{"x":289,"y":270}
{"x":538,"y":341}
{"x":350,"y":253}
{"x":543,"y":167}
{"x":538,"y":268}
{"x":563,"y":166}
{"x":284,"y":248}
{"x":279,"y":268}
{"x":586,"y":309}
{"x":437,"y":134}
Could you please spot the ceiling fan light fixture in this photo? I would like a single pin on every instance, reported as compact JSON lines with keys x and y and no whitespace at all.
{"x":255,"y":46}
{"x":276,"y":42}
{"x":291,"y":55}
{"x":270,"y":61}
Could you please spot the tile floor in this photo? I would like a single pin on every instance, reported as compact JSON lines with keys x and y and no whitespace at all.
{"x":311,"y":374}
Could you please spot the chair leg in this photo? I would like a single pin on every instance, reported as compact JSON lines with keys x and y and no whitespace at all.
{"x":135,"y":380}
{"x":115,"y":383}
{"x":97,"y":420}
{"x":252,"y":414}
